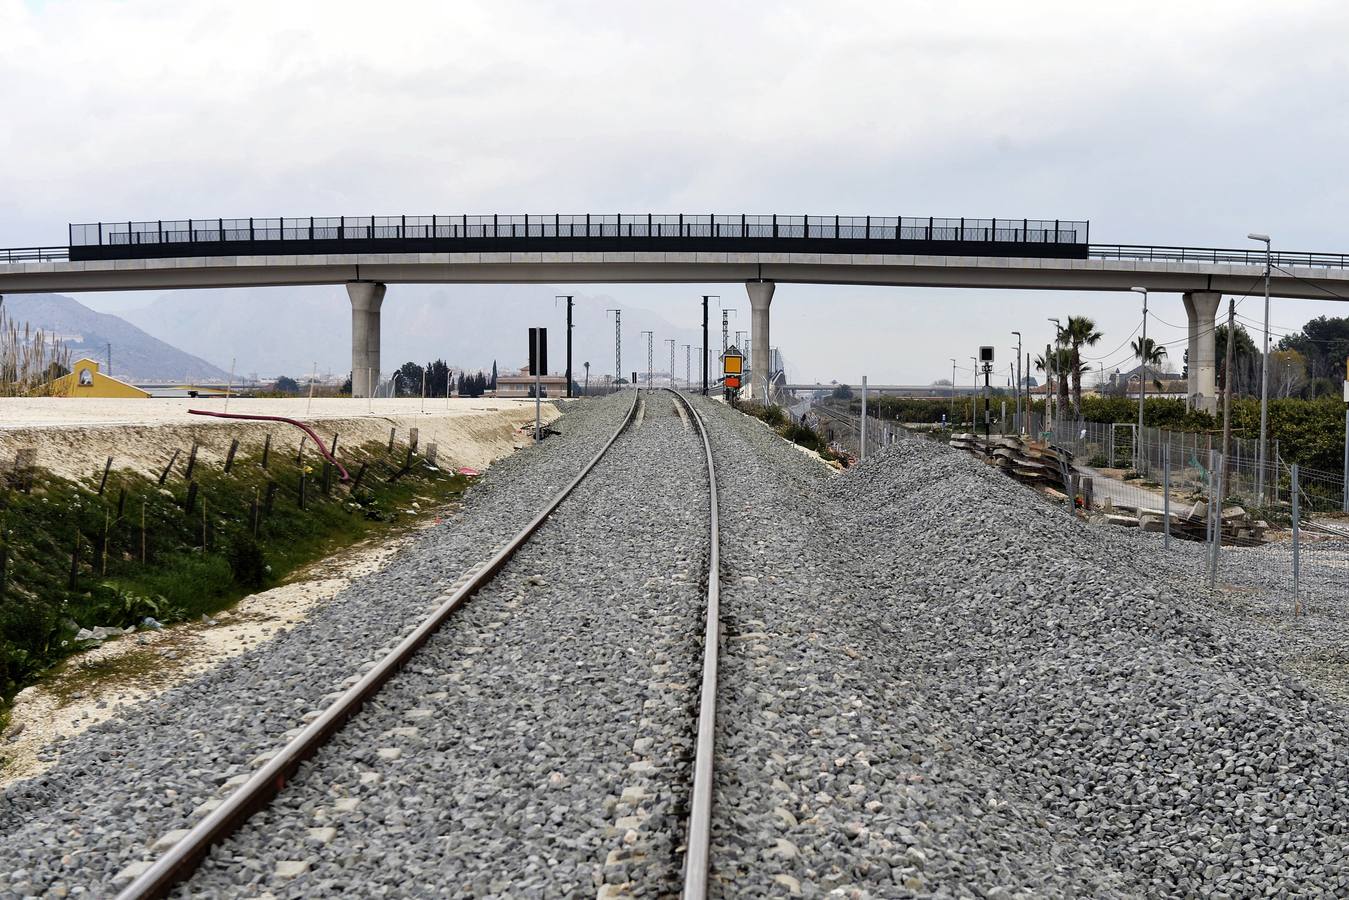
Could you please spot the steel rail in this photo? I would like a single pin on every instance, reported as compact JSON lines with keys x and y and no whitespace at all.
{"x":698,"y":835}
{"x":182,"y":859}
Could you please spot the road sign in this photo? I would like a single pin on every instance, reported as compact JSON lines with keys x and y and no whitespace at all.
{"x":732,"y":381}
{"x":985,"y":354}
{"x":732,"y":363}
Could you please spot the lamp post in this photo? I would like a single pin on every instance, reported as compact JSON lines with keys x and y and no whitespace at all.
{"x":586,"y":391}
{"x":1018,"y":380}
{"x":1264,"y":378}
{"x":1142,"y":379}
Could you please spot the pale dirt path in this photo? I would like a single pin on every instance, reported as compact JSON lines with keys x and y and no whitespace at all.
{"x":74,"y":436}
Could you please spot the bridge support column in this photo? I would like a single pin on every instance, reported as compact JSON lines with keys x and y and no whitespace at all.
{"x":366,"y":299}
{"x":1201,"y":386}
{"x":760,"y":296}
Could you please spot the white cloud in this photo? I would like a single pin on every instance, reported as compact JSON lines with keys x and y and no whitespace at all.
{"x":1162,"y":122}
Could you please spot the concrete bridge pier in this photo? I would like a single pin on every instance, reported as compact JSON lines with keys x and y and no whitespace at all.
{"x":760,"y":297}
{"x":1202,"y":384}
{"x":366,"y":299}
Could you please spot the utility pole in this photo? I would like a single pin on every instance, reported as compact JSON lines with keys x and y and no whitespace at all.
{"x":1143,"y":379}
{"x":618,"y":342}
{"x":650,"y":337}
{"x":1018,"y":379}
{"x":671,"y":342}
{"x":725,"y":333}
{"x":704,"y":346}
{"x":568,"y":298}
{"x":109,"y":357}
{"x":1264,"y":380}
{"x":1227,"y":388}
{"x":587,"y":385}
{"x":953,"y":392}
{"x":688,"y":367}
{"x":1049,"y":389}
{"x":862,"y":439}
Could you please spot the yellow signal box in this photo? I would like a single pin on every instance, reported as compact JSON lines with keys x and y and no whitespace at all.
{"x":732,"y":363}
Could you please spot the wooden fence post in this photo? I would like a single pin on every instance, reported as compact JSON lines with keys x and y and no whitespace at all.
{"x":229,"y":457}
{"x":266,"y":451}
{"x":103,"y":482}
{"x":163,"y":476}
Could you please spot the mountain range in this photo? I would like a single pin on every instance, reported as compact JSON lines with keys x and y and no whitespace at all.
{"x":135,"y":355}
{"x":267,"y":332}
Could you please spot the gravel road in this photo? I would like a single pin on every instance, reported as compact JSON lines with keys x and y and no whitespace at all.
{"x":121,"y":786}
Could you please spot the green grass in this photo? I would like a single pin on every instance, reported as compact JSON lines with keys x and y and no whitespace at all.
{"x":180,"y":564}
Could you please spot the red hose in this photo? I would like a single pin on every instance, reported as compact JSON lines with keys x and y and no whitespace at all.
{"x":300,"y":425}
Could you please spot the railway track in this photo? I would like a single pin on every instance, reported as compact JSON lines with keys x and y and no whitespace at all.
{"x":265,"y":788}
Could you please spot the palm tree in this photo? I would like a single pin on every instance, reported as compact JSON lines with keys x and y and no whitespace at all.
{"x":1150,"y":354}
{"x":1060,"y":369}
{"x":1080,"y":331}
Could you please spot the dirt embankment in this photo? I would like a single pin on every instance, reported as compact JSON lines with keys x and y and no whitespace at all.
{"x":74,"y":437}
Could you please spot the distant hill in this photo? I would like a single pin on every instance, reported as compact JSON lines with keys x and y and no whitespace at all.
{"x":136,"y":356}
{"x":274,"y":331}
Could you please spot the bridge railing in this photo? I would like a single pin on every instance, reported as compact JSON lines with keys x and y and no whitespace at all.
{"x":557,"y":225}
{"x":1237,"y":256}
{"x":35,"y":254}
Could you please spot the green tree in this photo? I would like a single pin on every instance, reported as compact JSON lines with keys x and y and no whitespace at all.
{"x":409,"y":380}
{"x":1245,"y":362}
{"x":1080,"y":331}
{"x":286,"y":385}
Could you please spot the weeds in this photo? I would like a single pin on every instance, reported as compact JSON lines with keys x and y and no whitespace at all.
{"x":76,"y":558}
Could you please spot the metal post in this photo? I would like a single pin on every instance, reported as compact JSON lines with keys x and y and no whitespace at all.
{"x":862,"y":446}
{"x":1166,"y":498}
{"x":569,"y":306}
{"x":1216,"y":491}
{"x":671,"y":342}
{"x":688,"y":367}
{"x":1297,"y":542}
{"x":618,"y":343}
{"x":538,"y":367}
{"x":1345,"y":505}
{"x":705,"y":344}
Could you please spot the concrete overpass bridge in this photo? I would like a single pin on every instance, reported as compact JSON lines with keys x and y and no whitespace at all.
{"x":367,"y":253}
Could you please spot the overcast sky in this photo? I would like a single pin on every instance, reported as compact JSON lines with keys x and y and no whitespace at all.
{"x":1175,"y":123}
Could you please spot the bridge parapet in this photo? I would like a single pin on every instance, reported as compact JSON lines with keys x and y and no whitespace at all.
{"x":590,"y":232}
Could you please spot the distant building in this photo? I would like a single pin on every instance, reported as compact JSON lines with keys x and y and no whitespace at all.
{"x":522,"y":384}
{"x":85,"y":380}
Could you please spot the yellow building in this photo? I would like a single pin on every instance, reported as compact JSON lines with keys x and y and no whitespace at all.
{"x":85,"y":380}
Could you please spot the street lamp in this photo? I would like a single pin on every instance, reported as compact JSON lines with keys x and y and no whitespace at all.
{"x":1018,"y":379}
{"x":1264,"y":378}
{"x":1142,"y":378}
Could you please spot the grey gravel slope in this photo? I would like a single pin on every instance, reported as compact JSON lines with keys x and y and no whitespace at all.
{"x":1072,"y":725}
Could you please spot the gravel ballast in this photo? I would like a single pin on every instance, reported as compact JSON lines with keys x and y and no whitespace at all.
{"x":980,"y":695}
{"x":934,"y":682}
{"x":539,"y":745}
{"x":126,"y":783}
